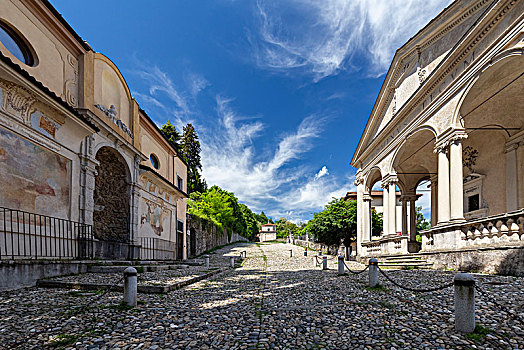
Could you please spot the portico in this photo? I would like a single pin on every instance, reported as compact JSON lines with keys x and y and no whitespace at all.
{"x":449,"y":114}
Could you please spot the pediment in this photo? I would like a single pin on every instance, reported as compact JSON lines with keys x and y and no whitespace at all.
{"x":414,"y":62}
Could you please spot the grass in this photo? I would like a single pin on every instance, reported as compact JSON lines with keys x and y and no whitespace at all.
{"x":479,"y":333}
{"x":64,"y":340}
{"x":377,"y":288}
{"x":409,"y":267}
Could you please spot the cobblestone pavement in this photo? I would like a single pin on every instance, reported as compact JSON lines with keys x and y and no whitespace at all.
{"x":272,"y":301}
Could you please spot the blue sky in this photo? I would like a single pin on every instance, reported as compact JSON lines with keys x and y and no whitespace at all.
{"x":279,"y":91}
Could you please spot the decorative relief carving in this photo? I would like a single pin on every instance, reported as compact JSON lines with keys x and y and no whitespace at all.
{"x":17,"y":100}
{"x":112,"y":113}
{"x":421,"y":75}
{"x":71,"y":84}
{"x":470,"y":155}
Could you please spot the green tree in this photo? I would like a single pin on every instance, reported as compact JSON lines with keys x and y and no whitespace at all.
{"x":263,"y":219}
{"x":212,"y":205}
{"x":190,"y":151}
{"x":422,"y":223}
{"x":171,"y":133}
{"x":284,"y":227}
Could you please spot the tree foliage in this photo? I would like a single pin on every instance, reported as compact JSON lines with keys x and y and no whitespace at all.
{"x":285,"y":227}
{"x":222,"y":208}
{"x":338,"y":223}
{"x":422,"y":223}
{"x":171,"y":133}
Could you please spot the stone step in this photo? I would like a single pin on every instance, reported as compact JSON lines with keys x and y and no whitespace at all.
{"x":140,"y":268}
{"x":402,"y":257}
{"x":406,"y":265}
{"x":400,"y":261}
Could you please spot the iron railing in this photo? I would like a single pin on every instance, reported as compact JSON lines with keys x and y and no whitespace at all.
{"x":156,"y":249}
{"x":25,"y":235}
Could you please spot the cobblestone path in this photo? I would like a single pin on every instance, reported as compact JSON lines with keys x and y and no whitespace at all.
{"x":272,"y":301}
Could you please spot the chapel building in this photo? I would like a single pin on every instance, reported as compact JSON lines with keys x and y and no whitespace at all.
{"x":451,"y":111}
{"x":85,"y":171}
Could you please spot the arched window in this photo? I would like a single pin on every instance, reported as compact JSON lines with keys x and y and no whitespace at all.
{"x":154,"y":161}
{"x":14,"y":43}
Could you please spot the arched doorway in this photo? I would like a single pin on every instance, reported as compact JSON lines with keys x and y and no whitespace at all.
{"x":111,"y":197}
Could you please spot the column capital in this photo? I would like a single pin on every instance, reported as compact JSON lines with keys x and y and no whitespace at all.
{"x":408,"y":197}
{"x":390,"y":179}
{"x":448,"y":137}
{"x":367,"y":197}
{"x":359,"y":177}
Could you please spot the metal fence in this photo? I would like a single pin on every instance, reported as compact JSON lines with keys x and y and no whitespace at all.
{"x":25,"y":235}
{"x":156,"y":249}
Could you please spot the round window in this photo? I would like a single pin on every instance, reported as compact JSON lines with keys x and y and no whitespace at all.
{"x":154,"y":161}
{"x":14,"y":43}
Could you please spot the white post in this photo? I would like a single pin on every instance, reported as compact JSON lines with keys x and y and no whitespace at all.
{"x":464,"y":302}
{"x":291,"y":253}
{"x":232,"y":261}
{"x":373,"y":272}
{"x":341,"y":264}
{"x":206,"y":259}
{"x":324,"y":263}
{"x":456,"y":181}
{"x":443,"y":186}
{"x":130,"y":286}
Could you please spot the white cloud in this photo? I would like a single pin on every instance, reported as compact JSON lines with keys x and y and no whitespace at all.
{"x":322,"y":172}
{"x":323,"y":37}
{"x":196,"y":83}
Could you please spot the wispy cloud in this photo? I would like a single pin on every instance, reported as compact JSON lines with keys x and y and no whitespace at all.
{"x":196,"y":83}
{"x":323,"y":37}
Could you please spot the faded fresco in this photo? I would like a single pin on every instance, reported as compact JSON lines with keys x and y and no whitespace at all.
{"x":34,"y":179}
{"x":154,"y":217}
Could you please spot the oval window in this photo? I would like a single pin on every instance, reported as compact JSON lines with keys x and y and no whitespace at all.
{"x":14,"y":43}
{"x":154,"y":161}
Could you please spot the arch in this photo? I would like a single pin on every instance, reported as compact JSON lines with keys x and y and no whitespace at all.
{"x":496,"y":62}
{"x":111,"y":216}
{"x":408,"y":136}
{"x":374,"y":175}
{"x":110,"y":63}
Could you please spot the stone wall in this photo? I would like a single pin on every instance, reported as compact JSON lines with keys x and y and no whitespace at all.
{"x":111,"y":215}
{"x":499,"y":260}
{"x":204,"y":235}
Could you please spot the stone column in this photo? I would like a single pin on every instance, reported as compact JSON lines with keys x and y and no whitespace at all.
{"x":443,"y":185}
{"x":88,"y":172}
{"x":366,"y":218}
{"x":511,"y":178}
{"x":456,"y":181}
{"x":360,"y":214}
{"x":404,"y":202}
{"x":392,"y":210}
{"x":385,"y":205}
{"x":434,"y":201}
{"x":412,"y":220}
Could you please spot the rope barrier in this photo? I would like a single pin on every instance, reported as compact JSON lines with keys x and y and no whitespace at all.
{"x":502,"y":307}
{"x":421,"y":290}
{"x":355,"y":272}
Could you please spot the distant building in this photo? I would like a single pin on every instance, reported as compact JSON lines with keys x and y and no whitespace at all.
{"x":377,"y":204}
{"x":268,"y":232}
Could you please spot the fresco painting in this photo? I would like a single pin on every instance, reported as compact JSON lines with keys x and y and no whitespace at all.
{"x":38,"y":180}
{"x":156,"y":217}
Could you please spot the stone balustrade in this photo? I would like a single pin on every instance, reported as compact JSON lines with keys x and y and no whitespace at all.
{"x":385,"y":245}
{"x":495,"y":230}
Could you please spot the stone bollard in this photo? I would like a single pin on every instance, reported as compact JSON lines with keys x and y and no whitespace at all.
{"x":464,"y":302}
{"x":373,"y":272}
{"x":291,"y":253}
{"x":305,"y":252}
{"x":232,"y":261}
{"x":320,"y":252}
{"x":244,"y":254}
{"x":341,"y":264}
{"x":206,"y":260}
{"x":324,"y":263}
{"x":130,"y":286}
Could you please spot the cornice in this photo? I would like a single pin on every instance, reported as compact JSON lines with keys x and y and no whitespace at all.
{"x":440,"y":73}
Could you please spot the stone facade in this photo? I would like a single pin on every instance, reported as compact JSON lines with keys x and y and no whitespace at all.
{"x":71,"y":107}
{"x":450,"y":112}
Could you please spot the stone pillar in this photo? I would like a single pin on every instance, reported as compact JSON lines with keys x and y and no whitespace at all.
{"x":456,"y":181}
{"x":385,"y":205}
{"x":511,"y":178}
{"x":360,"y":214}
{"x":443,"y":186}
{"x":88,"y":173}
{"x":434,"y":201}
{"x":404,"y":202}
{"x":392,"y":210}
{"x":412,"y":220}
{"x":366,"y":218}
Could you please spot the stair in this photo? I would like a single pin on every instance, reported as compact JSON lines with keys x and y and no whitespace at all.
{"x":404,"y":262}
